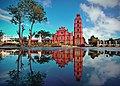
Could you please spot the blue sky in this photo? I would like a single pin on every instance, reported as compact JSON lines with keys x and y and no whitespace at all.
{"x":99,"y":17}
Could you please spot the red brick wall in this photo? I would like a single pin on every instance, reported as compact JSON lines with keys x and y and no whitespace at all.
{"x":62,"y":36}
{"x":78,"y":33}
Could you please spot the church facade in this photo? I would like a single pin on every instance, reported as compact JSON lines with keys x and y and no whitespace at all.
{"x":63,"y":36}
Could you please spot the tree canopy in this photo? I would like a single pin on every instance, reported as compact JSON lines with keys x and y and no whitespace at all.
{"x":93,"y":40}
{"x":43,"y":34}
{"x":1,"y":33}
{"x":27,"y":10}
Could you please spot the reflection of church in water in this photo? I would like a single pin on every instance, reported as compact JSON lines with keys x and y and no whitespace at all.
{"x":62,"y":58}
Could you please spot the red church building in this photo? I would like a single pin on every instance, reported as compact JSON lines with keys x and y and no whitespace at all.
{"x":62,"y":36}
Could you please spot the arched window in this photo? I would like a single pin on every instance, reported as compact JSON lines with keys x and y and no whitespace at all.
{"x":61,"y":37}
{"x":67,"y":38}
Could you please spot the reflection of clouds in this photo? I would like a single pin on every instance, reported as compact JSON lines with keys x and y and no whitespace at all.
{"x":95,"y":80}
{"x":104,"y":68}
{"x":4,"y":75}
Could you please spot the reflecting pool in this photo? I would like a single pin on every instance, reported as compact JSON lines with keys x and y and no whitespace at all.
{"x":59,"y":67}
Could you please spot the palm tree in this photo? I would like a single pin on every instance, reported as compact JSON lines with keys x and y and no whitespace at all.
{"x":17,"y":18}
{"x":26,"y":10}
{"x":1,"y":33}
{"x":34,"y":78}
{"x":34,"y":13}
{"x":43,"y":34}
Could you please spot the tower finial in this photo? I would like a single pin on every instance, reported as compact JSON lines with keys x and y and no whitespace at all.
{"x":78,"y":15}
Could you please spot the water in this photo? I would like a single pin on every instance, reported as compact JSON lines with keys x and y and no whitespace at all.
{"x":60,"y":67}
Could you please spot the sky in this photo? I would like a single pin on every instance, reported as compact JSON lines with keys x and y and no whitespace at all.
{"x":100,"y":18}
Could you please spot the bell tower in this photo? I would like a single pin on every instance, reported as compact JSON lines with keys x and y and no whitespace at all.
{"x":78,"y":34}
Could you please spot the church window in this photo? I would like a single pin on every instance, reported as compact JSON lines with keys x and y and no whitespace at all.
{"x":61,"y":37}
{"x":67,"y":38}
{"x":77,"y":36}
{"x":78,"y":21}
{"x":67,"y":55}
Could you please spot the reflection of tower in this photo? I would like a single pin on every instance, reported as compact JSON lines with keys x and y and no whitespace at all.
{"x":78,"y":59}
{"x":78,"y":34}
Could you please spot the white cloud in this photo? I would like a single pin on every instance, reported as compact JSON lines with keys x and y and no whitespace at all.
{"x":4,"y":15}
{"x":104,"y":69}
{"x":93,"y":13}
{"x":46,"y":3}
{"x":5,"y":18}
{"x":104,"y":27}
{"x":106,"y":3}
{"x":3,"y":11}
{"x":118,"y":18}
{"x":87,"y":20}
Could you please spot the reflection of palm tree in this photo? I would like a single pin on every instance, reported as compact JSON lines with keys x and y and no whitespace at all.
{"x":32,"y":78}
{"x":43,"y":59}
{"x":30,"y":60}
{"x":14,"y":74}
{"x":35,"y":78}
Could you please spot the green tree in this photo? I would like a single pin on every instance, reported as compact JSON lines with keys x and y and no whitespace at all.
{"x":93,"y":40}
{"x":1,"y":33}
{"x":43,"y":34}
{"x":34,"y":13}
{"x":27,"y":10}
{"x":24,"y":38}
{"x":112,"y":40}
{"x":17,"y":18}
